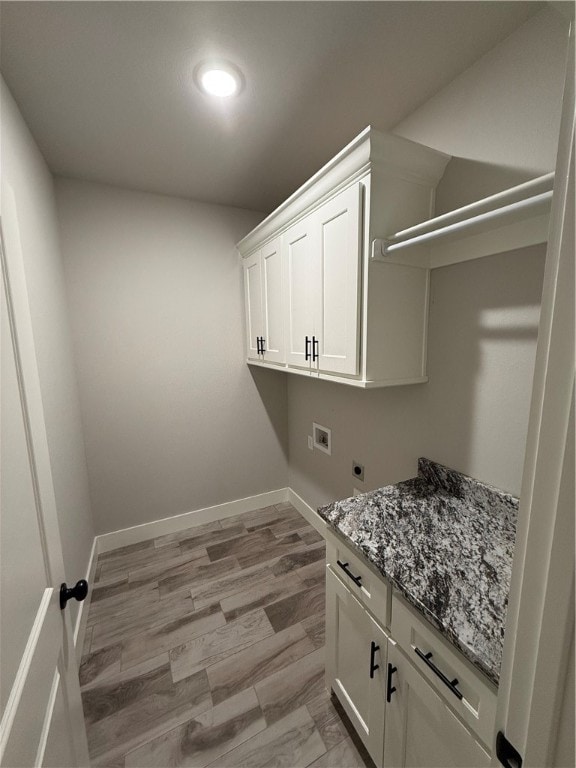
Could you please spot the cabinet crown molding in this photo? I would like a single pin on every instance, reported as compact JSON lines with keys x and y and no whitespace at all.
{"x":393,"y":155}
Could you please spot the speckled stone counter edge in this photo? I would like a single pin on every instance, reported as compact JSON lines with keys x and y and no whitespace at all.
{"x":464,"y":488}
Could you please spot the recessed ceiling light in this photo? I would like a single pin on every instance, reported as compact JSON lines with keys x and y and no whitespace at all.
{"x":219,"y":79}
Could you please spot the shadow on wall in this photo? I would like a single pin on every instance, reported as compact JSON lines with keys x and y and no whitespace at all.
{"x":472,"y":414}
{"x":380,"y":428}
{"x":272,"y":388}
{"x":482,"y":342}
{"x":466,"y":181}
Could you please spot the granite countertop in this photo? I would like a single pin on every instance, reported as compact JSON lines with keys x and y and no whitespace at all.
{"x":445,"y":541}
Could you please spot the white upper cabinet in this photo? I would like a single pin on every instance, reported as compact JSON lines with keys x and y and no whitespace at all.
{"x":337,"y":284}
{"x":253,"y":305}
{"x":322,"y":262}
{"x":345,"y":316}
{"x":272,"y":302}
{"x":263,"y":300}
{"x":298,"y":251}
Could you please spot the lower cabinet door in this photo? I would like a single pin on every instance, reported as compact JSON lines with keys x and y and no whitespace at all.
{"x":356,"y":650}
{"x":421,"y":729}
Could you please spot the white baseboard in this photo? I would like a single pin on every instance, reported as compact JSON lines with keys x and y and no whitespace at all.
{"x":306,"y":511}
{"x":82,"y":617}
{"x":108,"y":541}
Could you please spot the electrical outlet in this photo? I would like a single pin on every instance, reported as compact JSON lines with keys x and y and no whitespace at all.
{"x":310,"y":443}
{"x":358,"y":470}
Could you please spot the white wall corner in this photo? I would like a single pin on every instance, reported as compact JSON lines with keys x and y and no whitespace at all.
{"x":308,"y":512}
{"x":115,"y":539}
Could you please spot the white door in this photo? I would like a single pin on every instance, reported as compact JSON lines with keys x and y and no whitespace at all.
{"x":356,"y":663}
{"x":298,"y":257}
{"x":336,"y":323}
{"x":42,"y":721}
{"x":540,"y":617}
{"x":421,"y":730}
{"x":253,"y":304}
{"x":273,"y":332}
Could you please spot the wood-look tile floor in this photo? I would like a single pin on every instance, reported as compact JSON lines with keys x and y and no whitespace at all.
{"x":206,"y":648}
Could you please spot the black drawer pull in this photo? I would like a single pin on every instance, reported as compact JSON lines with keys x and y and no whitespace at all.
{"x":355,"y":579}
{"x":315,"y":348}
{"x":306,"y":350}
{"x":373,"y":667}
{"x":262,"y":342}
{"x":389,"y":687}
{"x":450,"y":683}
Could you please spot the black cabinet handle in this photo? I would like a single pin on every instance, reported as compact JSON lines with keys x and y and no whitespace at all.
{"x":506,"y":753}
{"x":257,"y":345}
{"x":78,"y":592}
{"x":355,"y":579}
{"x":262,"y":347}
{"x":373,"y":667}
{"x":306,"y":349}
{"x":449,"y":683}
{"x":315,"y":350}
{"x":389,"y":687}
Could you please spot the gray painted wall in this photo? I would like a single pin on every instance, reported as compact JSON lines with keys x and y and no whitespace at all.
{"x":24,"y":169}
{"x":174,"y":420}
{"x":472,"y":414}
{"x":500,"y":120}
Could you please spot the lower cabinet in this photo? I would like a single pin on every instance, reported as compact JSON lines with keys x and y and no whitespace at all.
{"x":356,"y":649}
{"x":421,"y":731}
{"x":402,"y":717}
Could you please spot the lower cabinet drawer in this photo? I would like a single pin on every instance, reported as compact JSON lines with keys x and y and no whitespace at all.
{"x":466,"y":690}
{"x":359,"y":577}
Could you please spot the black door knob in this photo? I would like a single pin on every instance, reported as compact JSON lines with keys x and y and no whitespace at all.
{"x":78,"y":592}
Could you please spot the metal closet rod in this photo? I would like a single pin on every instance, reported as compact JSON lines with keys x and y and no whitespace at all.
{"x":498,"y":213}
{"x":522,"y":191}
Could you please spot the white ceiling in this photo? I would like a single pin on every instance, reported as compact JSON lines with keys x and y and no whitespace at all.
{"x":107,"y":89}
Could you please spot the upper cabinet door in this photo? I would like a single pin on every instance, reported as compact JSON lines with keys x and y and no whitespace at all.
{"x":299,"y":269}
{"x":273,"y":331}
{"x":337,"y":305}
{"x":253,"y":303}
